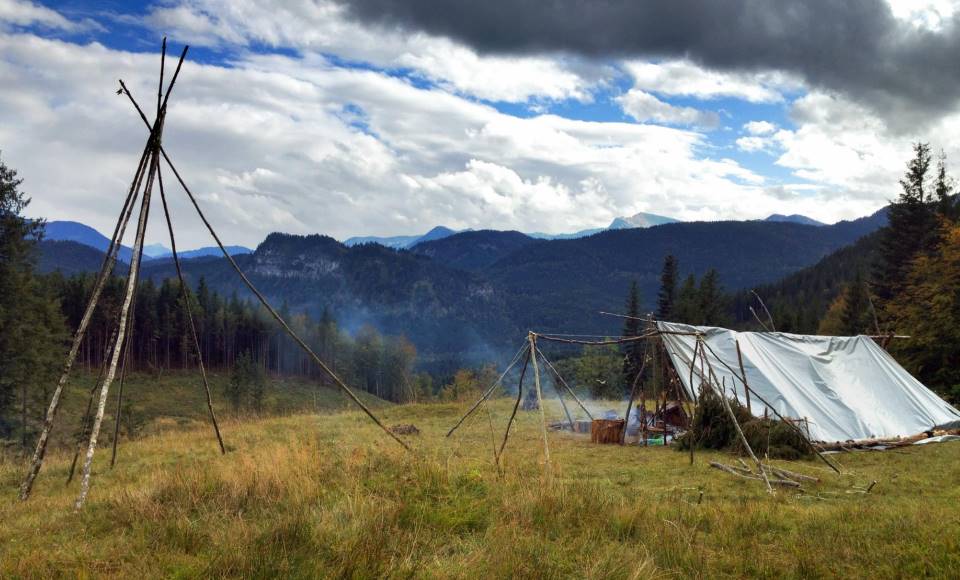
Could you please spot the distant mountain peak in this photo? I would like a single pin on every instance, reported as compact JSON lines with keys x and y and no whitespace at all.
{"x":640,"y":220}
{"x":794,"y":219}
{"x":402,"y":242}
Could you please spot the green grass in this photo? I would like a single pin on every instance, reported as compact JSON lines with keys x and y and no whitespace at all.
{"x":306,"y":496}
{"x":176,"y":400}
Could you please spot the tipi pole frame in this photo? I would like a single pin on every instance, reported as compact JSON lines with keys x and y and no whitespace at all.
{"x":243,"y":277}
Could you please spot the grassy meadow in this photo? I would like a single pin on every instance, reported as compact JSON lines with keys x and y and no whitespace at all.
{"x":328,"y":495}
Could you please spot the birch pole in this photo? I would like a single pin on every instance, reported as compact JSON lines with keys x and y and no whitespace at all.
{"x":106,"y":269}
{"x":543,"y":416}
{"x":124,"y":313}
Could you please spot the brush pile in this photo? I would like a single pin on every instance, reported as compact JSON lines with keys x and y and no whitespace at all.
{"x":712,"y":428}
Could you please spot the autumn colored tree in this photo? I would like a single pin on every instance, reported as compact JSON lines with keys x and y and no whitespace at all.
{"x":928,"y":309}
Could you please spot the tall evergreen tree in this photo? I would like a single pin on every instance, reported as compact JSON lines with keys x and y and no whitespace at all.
{"x":856,"y":317}
{"x":632,"y":351}
{"x":667,"y":297}
{"x":32,"y":329}
{"x":943,"y":186}
{"x":713,"y":302}
{"x":911,"y":227}
{"x":688,"y":303}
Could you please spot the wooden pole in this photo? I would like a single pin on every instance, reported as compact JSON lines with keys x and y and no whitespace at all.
{"x":129,"y":341}
{"x":106,"y":268}
{"x":563,"y":403}
{"x":185,"y":295}
{"x":85,"y":423}
{"x":543,"y":417}
{"x":633,"y":392}
{"x":124,"y":313}
{"x":557,"y":376}
{"x":693,"y":363}
{"x":489,"y":391}
{"x":516,"y":405}
{"x":743,"y":376}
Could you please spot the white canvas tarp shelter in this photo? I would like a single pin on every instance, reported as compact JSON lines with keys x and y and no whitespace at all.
{"x":848,"y":388}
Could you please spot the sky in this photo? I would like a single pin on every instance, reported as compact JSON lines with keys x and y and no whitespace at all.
{"x":389,"y":117}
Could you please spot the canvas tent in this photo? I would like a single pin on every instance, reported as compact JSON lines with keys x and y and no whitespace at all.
{"x":847,"y":388}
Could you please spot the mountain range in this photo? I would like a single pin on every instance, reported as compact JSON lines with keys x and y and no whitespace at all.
{"x":68,"y":231}
{"x":469,"y":295}
{"x":637,"y":220}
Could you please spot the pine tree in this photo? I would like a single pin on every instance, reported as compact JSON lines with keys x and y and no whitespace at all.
{"x":667,"y":296}
{"x":32,"y":329}
{"x":712,"y":300}
{"x":688,"y":303}
{"x":632,"y":351}
{"x":910,"y":230}
{"x":943,"y":190}
{"x":855,"y":318}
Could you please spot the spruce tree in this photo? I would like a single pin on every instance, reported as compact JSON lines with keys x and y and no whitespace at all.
{"x":632,"y":351}
{"x":911,"y":227}
{"x":667,"y":296}
{"x":856,"y":316}
{"x":688,"y":303}
{"x":32,"y":329}
{"x":712,"y":300}
{"x":943,"y":190}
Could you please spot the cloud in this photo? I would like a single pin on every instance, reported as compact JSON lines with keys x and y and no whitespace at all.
{"x":25,"y":13}
{"x":860,"y":48}
{"x":643,"y":107}
{"x":321,"y":28}
{"x":684,"y":78}
{"x":299,"y":144}
{"x":759,"y":127}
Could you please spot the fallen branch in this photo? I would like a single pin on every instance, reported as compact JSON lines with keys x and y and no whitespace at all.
{"x":791,"y":474}
{"x":737,"y":471}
